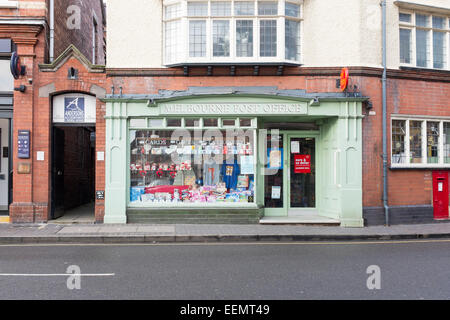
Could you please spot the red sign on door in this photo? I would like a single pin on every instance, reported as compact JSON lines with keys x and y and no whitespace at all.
{"x":302,"y":163}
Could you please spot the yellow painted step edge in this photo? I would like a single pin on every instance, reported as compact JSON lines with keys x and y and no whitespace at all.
{"x":4,"y":219}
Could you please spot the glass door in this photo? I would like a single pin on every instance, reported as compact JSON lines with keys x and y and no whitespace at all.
{"x":4,"y":166}
{"x":302,"y":174}
{"x":274,"y":193}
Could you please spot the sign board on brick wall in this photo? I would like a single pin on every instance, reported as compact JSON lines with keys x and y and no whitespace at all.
{"x":74,"y":108}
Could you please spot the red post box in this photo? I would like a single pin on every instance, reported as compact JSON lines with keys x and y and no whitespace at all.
{"x":440,"y":195}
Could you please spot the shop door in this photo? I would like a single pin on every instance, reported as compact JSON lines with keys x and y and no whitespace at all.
{"x":58,"y":174}
{"x":290,"y":180}
{"x":4,"y":165}
{"x":301,"y":186}
{"x":274,"y":178}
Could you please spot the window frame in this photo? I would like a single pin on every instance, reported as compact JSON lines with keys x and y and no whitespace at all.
{"x":165,"y":127}
{"x":182,"y":54}
{"x":430,"y":38}
{"x":424,"y":141}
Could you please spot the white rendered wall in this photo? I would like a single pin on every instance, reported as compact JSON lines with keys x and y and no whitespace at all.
{"x":134,"y":37}
{"x":335,"y":33}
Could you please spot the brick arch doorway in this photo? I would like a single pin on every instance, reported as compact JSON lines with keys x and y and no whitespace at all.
{"x":73,"y":159}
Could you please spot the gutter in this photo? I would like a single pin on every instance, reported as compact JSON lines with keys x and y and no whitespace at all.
{"x":384,"y":102}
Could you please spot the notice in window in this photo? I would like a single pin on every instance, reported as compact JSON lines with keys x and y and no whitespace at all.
{"x":276,"y":192}
{"x":295,"y":147}
{"x":302,"y":163}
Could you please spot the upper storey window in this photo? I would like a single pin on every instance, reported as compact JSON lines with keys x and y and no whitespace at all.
{"x":424,"y":40}
{"x":232,"y":31}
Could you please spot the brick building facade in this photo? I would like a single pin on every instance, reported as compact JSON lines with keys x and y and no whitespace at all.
{"x":229,"y":60}
{"x":151,"y":89}
{"x":59,"y":58}
{"x":410,"y":190}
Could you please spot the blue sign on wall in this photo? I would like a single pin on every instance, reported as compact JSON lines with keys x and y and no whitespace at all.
{"x":23,"y":144}
{"x":74,"y":110}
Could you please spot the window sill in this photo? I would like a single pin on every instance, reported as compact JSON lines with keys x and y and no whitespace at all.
{"x":254,"y":63}
{"x":182,"y":205}
{"x":420,"y":167}
{"x":439,"y":71}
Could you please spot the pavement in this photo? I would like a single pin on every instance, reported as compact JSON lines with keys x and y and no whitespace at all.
{"x":136,"y":233}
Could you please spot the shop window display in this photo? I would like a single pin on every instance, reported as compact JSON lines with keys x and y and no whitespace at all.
{"x":193,"y":167}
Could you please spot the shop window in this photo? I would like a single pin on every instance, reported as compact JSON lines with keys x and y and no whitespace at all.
{"x":174,"y":122}
{"x":156,"y":123}
{"x":192,"y":123}
{"x":446,"y":142}
{"x":433,"y":142}
{"x":273,"y":185}
{"x":188,"y":167}
{"x":415,"y":138}
{"x":425,"y":142}
{"x":229,"y":122}
{"x":245,"y":122}
{"x":398,"y":141}
{"x":210,"y":122}
{"x":138,"y":123}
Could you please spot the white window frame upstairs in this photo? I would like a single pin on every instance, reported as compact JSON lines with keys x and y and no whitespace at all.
{"x":429,"y":28}
{"x":183,"y":48}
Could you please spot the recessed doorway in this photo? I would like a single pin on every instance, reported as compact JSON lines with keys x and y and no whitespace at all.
{"x":73,"y":172}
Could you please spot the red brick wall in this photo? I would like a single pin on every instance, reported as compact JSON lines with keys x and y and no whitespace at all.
{"x":62,"y":84}
{"x":81,"y":38}
{"x":100,"y":165}
{"x":415,"y":97}
{"x":31,"y":192}
{"x":406,"y":96}
{"x":35,"y":114}
{"x":27,"y":206}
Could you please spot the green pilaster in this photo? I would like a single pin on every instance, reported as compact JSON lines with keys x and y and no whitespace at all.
{"x":350,"y":164}
{"x":116,"y":190}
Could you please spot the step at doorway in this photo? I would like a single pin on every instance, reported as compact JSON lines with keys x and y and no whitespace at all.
{"x":305,"y":219}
